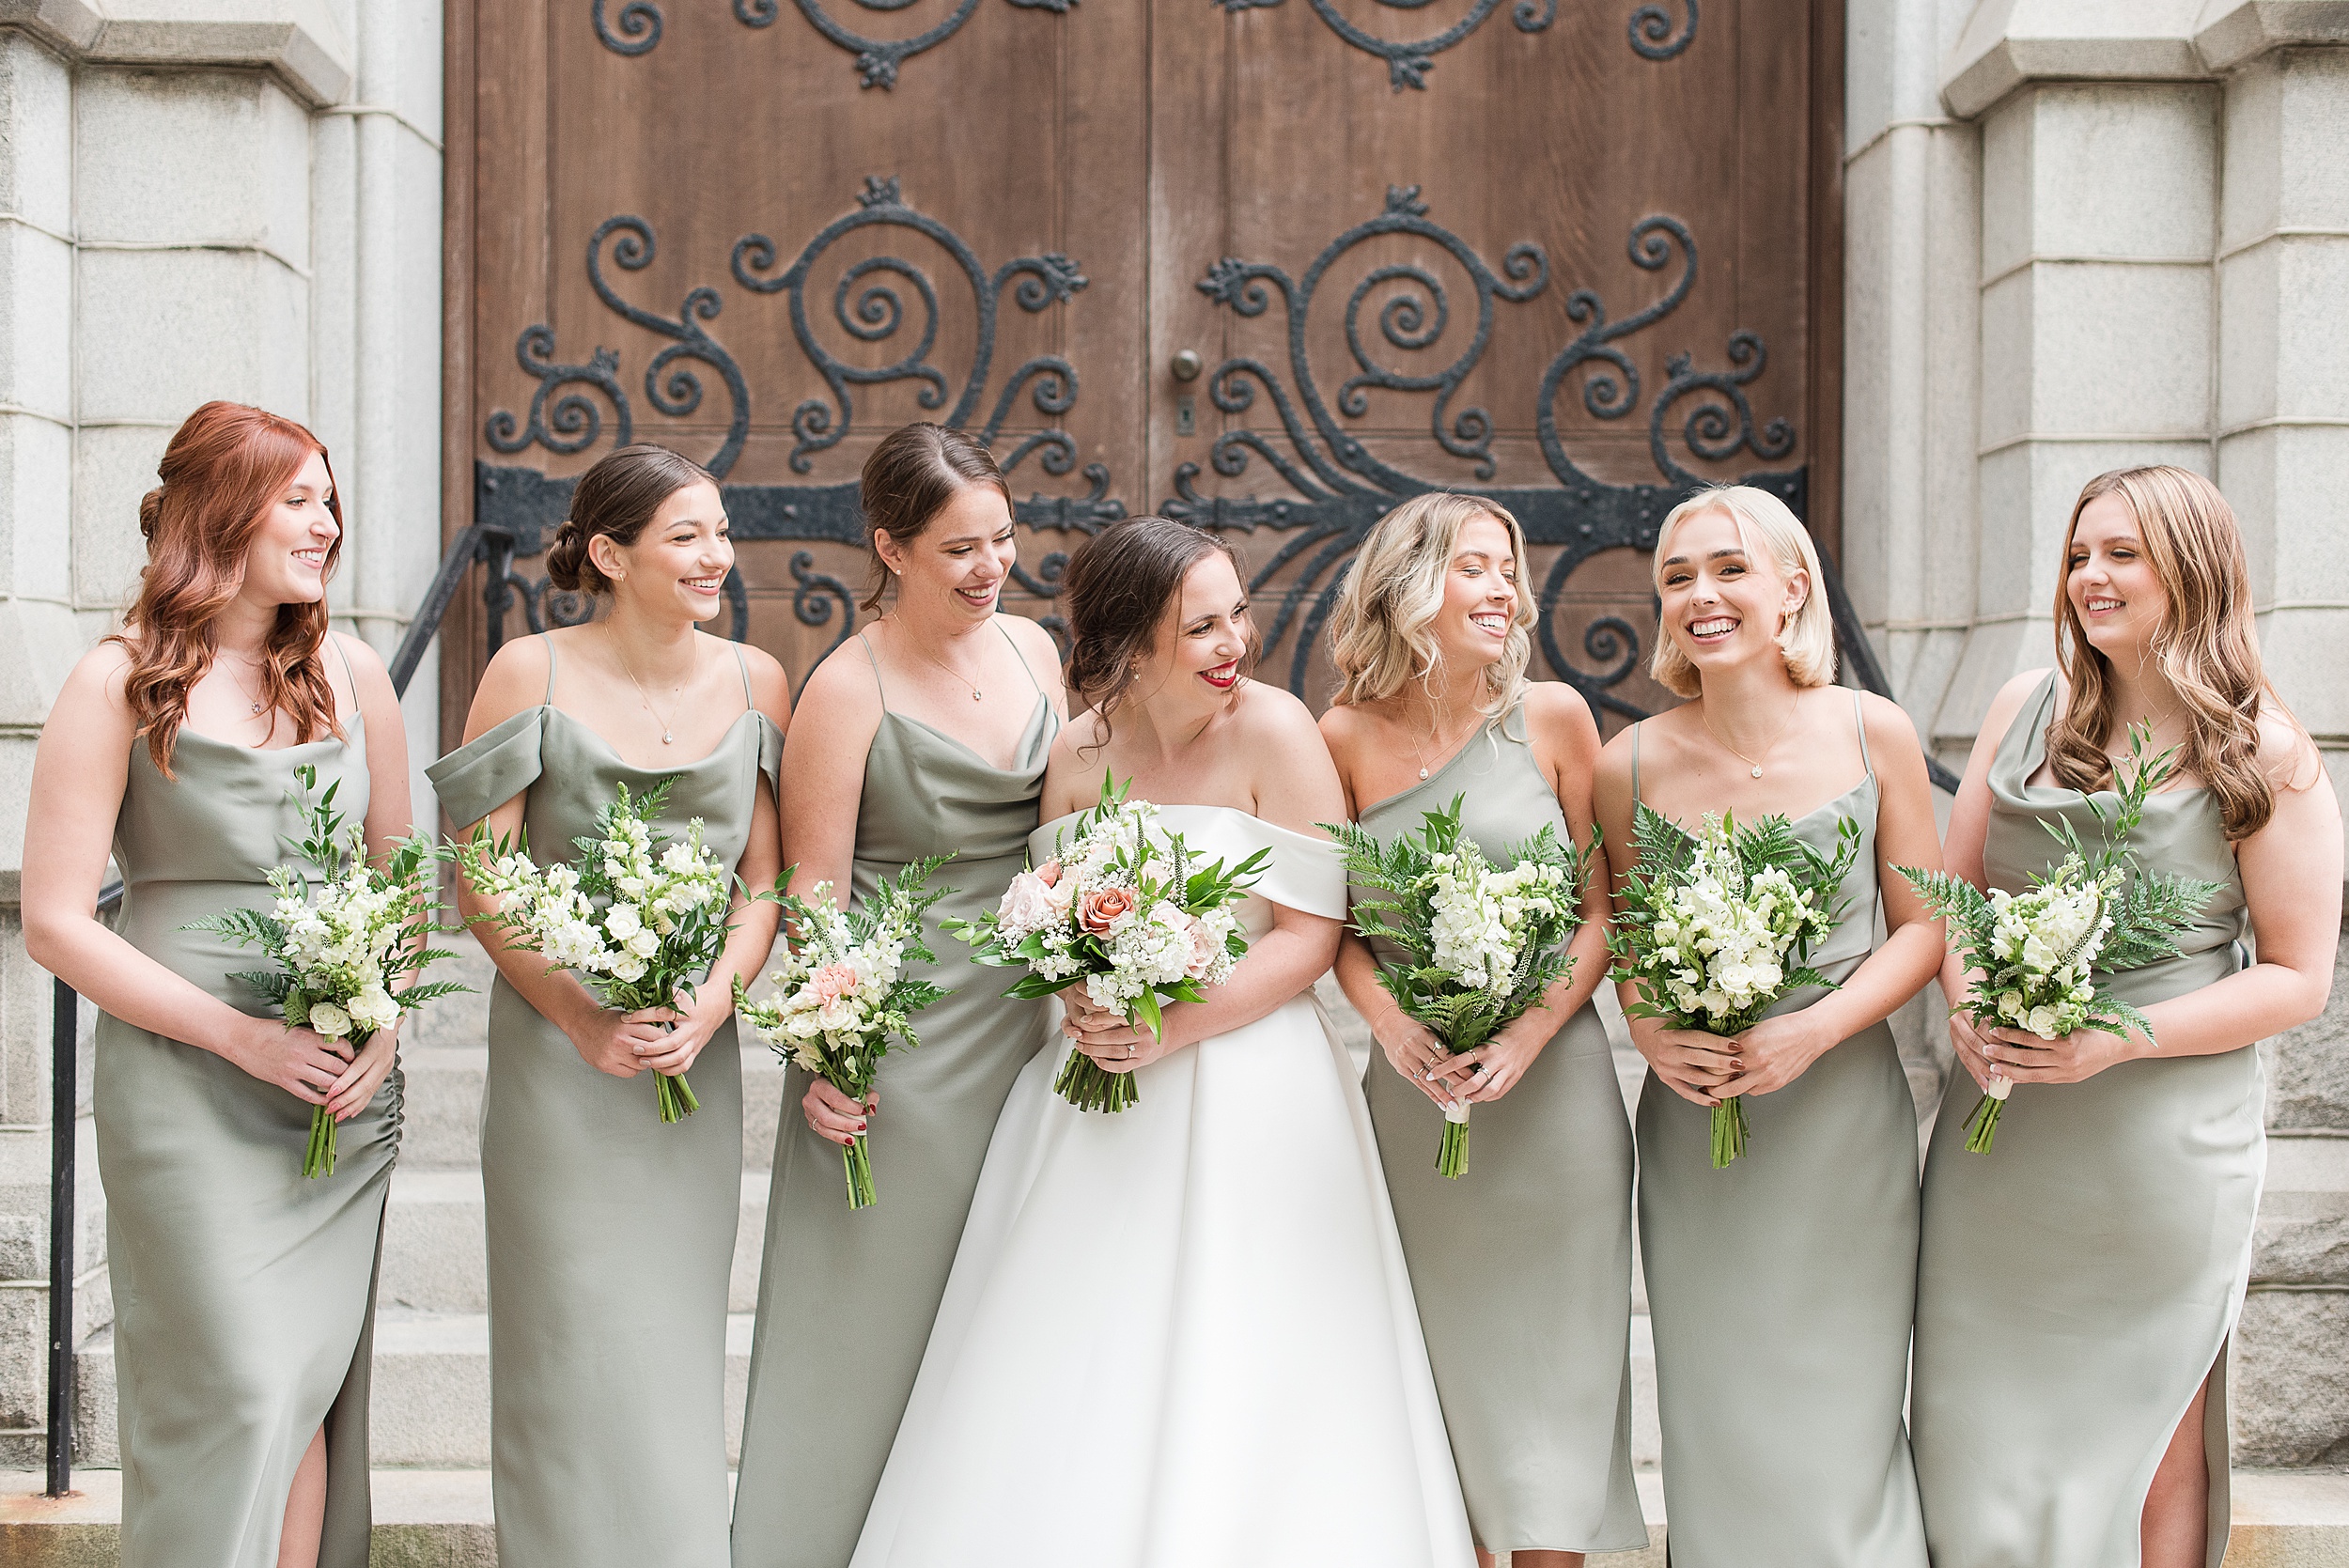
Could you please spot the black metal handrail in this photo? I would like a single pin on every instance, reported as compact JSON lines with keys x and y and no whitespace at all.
{"x":65,"y":1113}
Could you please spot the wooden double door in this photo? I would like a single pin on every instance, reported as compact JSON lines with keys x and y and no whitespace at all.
{"x":1268,"y":265}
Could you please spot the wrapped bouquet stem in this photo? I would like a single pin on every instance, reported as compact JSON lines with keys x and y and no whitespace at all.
{"x":1717,"y":926}
{"x":842,"y":992}
{"x":2035,"y":955}
{"x":638,"y":917}
{"x":1125,"y":910}
{"x":1480,"y":944}
{"x":342,"y":943}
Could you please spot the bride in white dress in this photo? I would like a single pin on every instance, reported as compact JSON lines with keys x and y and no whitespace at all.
{"x":1182,"y":1336}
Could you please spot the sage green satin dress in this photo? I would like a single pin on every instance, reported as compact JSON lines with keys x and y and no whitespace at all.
{"x":611,"y":1233}
{"x":845,"y":1296}
{"x":2079,"y":1280}
{"x":1780,"y":1288}
{"x":1523,"y":1267}
{"x":243,"y":1291}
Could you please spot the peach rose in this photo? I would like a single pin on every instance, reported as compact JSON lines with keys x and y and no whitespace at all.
{"x":1098,"y":911}
{"x":832,"y":981}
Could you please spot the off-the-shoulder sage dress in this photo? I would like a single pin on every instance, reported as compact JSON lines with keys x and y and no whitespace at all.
{"x":610,"y":1232}
{"x":1780,"y":1287}
{"x":1523,"y":1267}
{"x":2079,"y":1280}
{"x":1182,"y":1336}
{"x":845,"y":1296}
{"x":243,"y":1291}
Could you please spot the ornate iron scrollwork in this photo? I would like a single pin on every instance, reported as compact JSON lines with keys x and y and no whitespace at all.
{"x":1409,"y":60}
{"x":518,"y":506}
{"x":878,"y":59}
{"x":639,"y":28}
{"x":1342,"y":489}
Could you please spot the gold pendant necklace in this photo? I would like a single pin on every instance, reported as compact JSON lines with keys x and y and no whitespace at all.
{"x":1753,"y":763}
{"x":668,"y":735}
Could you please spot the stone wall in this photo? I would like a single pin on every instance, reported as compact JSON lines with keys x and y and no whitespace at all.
{"x":198,"y":199}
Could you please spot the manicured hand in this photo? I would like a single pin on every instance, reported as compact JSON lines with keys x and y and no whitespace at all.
{"x":2067,"y":1059}
{"x":618,"y":1043}
{"x":1776,"y":1052}
{"x":296,"y":1060}
{"x":1691,"y":1063}
{"x":1969,"y":1042}
{"x":835,"y":1117}
{"x":1115,"y":1044}
{"x":697,"y":1021}
{"x":1414,"y":1052}
{"x":365,"y":1076}
{"x":1494,"y":1068}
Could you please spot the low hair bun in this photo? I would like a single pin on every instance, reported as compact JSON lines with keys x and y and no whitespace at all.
{"x":567,"y":566}
{"x":150,"y":512}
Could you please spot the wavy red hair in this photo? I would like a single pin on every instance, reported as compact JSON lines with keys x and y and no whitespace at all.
{"x":220,"y":475}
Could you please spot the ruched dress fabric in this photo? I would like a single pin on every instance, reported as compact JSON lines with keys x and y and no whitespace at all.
{"x":2079,"y":1280}
{"x":611,"y":1233}
{"x":847,"y":1295}
{"x":243,"y":1291}
{"x":1780,"y":1288}
{"x":1182,"y":1336}
{"x":1521,"y":1267}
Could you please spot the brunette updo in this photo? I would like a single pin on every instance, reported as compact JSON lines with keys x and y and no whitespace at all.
{"x":911,"y":477}
{"x":1117,"y":590}
{"x":617,"y":498}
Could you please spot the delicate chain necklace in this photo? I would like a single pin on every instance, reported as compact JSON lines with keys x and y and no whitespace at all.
{"x":959,"y":676}
{"x":668,"y":736}
{"x":1419,"y":752}
{"x":1753,"y":763}
{"x":242,"y":689}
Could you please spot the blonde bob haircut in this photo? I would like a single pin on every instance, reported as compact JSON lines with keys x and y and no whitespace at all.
{"x":1808,"y":636}
{"x":1381,"y":636}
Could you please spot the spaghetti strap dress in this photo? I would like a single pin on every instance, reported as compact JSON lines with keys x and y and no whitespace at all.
{"x":847,"y":1297}
{"x":243,"y":1291}
{"x":1780,"y":1288}
{"x":2078,"y":1282}
{"x":611,"y":1233}
{"x":1523,"y":1267}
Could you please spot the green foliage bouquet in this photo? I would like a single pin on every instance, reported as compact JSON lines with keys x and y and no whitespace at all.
{"x":843,"y":991}
{"x":2035,"y":955}
{"x":1716,"y":926}
{"x":1483,"y":943}
{"x":341,"y":943}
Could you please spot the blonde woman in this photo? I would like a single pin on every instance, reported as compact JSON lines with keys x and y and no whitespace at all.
{"x":1780,"y":1288}
{"x":1522,"y":1269}
{"x":2079,"y":1282}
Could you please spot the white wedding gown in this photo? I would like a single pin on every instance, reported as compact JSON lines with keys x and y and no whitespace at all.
{"x":1181,"y":1336}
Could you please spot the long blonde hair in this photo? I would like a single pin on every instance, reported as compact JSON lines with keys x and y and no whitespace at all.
{"x":1380,"y":636}
{"x":1807,"y":639}
{"x":2206,"y":648}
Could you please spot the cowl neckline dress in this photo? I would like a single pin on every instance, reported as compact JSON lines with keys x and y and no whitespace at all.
{"x":1523,"y":1267}
{"x":1785,"y":1445}
{"x":610,"y":1234}
{"x":243,"y":1291}
{"x":822,"y":1406}
{"x":2078,"y":1282}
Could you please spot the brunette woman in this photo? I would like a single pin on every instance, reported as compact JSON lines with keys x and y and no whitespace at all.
{"x":1522,"y":1270}
{"x":610,"y":1232}
{"x":245,"y":1293}
{"x":1780,"y":1287}
{"x":925,"y":736}
{"x":2079,"y":1280}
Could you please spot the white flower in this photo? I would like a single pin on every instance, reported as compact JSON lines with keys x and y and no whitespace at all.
{"x":328,"y":1020}
{"x":626,"y":967}
{"x":374,"y":1008}
{"x":621,"y":921}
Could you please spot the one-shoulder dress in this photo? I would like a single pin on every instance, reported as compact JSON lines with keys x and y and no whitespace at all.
{"x":1182,"y":1336}
{"x":1523,"y":1267}
{"x":610,"y":1232}
{"x":1780,"y":1288}
{"x":846,"y":1296}
{"x":243,"y":1291}
{"x":2079,"y":1280}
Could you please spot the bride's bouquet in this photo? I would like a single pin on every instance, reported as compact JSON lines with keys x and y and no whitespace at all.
{"x":1125,"y":907}
{"x":843,"y":991}
{"x":637,"y":917}
{"x":342,"y":944}
{"x":2034,"y":954}
{"x":1484,"y":944}
{"x":1718,"y":926}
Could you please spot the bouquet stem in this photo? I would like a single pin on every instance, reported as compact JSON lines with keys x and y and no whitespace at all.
{"x":856,"y":1165}
{"x":1452,"y":1158}
{"x":676,"y":1096}
{"x":1729,"y":1130}
{"x":1983,"y":1126}
{"x":318,"y":1159}
{"x":1085,"y":1084}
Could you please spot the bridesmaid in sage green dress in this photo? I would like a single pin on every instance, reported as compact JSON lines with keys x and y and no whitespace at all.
{"x":1523,"y":1267}
{"x":1780,"y":1288}
{"x":243,"y":1292}
{"x":611,"y":1233}
{"x":2078,"y":1282}
{"x":926,"y":736}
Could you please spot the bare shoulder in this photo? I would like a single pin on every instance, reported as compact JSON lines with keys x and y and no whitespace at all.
{"x":1345,"y":727}
{"x":2287,"y":752}
{"x":2012,"y":695}
{"x":365,"y":660}
{"x":1614,"y":760}
{"x":1888,"y":723}
{"x":1033,"y":643}
{"x":843,"y":681}
{"x":770,"y":683}
{"x":1556,"y":714}
{"x":102,"y":672}
{"x":1273,"y":713}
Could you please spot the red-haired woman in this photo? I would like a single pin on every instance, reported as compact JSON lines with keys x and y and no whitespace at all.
{"x":244,"y":1293}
